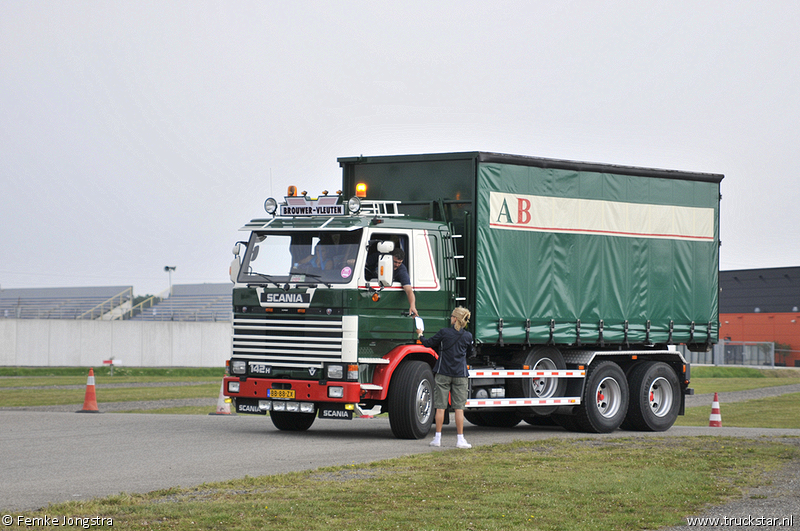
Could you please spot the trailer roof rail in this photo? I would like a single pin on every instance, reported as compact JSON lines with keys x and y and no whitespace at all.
{"x":381,"y":208}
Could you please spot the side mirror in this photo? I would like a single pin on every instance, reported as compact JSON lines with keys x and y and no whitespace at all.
{"x":234,"y":269}
{"x":385,"y":247}
{"x":237,"y":248}
{"x":385,"y":269}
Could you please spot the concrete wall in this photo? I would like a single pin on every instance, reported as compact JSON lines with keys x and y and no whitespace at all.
{"x":83,"y":343}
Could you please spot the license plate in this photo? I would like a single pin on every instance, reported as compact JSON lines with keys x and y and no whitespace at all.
{"x":285,"y":394}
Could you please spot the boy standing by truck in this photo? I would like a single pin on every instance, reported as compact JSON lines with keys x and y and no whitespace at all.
{"x":451,"y":372}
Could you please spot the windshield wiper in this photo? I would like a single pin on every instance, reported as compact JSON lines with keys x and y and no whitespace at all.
{"x":318,"y":278}
{"x":265,"y":277}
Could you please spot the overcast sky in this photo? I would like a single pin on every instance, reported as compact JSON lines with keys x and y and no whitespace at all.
{"x":139,"y":134}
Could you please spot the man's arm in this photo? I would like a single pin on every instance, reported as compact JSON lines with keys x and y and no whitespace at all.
{"x":411,"y":300}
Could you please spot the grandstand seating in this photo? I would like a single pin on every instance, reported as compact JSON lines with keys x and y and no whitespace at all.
{"x":192,"y":302}
{"x":189,"y":302}
{"x":61,"y":303}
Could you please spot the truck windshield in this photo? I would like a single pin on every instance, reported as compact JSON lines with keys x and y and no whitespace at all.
{"x":327,"y":257}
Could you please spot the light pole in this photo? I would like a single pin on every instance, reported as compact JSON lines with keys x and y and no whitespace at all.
{"x":170,"y":269}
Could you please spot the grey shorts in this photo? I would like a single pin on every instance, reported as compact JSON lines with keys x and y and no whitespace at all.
{"x":454,"y":386}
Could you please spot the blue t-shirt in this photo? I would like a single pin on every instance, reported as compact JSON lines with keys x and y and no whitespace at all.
{"x":401,"y":275}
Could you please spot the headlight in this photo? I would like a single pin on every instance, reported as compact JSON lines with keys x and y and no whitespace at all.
{"x":233,"y":387}
{"x":352,"y":372}
{"x":271,"y":206}
{"x":238,"y":367}
{"x":354,"y":205}
{"x":335,"y":392}
{"x":335,"y":372}
{"x":294,"y":407}
{"x":278,"y":406}
{"x":306,"y":407}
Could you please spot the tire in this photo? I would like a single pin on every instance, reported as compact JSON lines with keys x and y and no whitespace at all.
{"x":605,"y":399}
{"x":499,"y":419}
{"x":548,"y":359}
{"x":410,"y":400}
{"x":655,"y":397}
{"x":493,"y":419}
{"x":474,"y":417}
{"x":292,"y":421}
{"x":535,"y":420}
{"x":567,"y":422}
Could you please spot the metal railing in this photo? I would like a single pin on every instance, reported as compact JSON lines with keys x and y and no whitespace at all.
{"x":108,"y":305}
{"x":735,"y":353}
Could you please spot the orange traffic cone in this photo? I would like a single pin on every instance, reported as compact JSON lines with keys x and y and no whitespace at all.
{"x":90,"y":401}
{"x":223,"y":408}
{"x":715,"y":420}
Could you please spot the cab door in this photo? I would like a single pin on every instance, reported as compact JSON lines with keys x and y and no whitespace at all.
{"x":385,"y":321}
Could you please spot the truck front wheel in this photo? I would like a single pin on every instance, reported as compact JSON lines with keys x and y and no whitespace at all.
{"x":292,"y":421}
{"x":410,"y":400}
{"x":605,"y":399}
{"x":655,"y":397}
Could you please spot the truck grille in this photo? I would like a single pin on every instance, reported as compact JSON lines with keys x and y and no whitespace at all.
{"x":295,"y":341}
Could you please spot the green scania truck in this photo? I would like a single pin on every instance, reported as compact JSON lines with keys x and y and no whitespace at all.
{"x":582,"y":280}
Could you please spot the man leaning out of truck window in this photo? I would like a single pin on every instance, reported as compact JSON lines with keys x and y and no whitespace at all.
{"x":401,"y":275}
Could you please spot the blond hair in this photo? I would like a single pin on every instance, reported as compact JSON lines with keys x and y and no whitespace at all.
{"x":462,"y":316}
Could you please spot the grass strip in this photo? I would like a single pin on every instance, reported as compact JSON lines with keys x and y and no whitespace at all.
{"x":770,"y":412}
{"x":56,"y":381}
{"x":727,"y":385}
{"x":558,"y":485}
{"x":104,"y":370}
{"x":55,"y":397}
{"x":182,"y":410}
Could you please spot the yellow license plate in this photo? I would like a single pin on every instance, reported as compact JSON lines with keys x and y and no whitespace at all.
{"x":281,"y":393}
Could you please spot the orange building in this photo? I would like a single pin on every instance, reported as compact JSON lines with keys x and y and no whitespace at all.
{"x":762,"y":305}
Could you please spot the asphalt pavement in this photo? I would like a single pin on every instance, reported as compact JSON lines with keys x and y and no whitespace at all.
{"x":51,"y":457}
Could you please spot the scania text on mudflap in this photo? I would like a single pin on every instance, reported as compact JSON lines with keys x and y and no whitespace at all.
{"x":582,"y":279}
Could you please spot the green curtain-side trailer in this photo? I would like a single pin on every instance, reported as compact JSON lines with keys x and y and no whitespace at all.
{"x":568,"y":253}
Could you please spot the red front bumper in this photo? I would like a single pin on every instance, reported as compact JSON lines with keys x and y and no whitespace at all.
{"x":304,"y":390}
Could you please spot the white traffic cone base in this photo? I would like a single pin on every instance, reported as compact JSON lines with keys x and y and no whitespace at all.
{"x":223,"y":408}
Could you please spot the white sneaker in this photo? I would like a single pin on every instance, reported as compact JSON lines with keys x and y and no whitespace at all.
{"x":436,"y":443}
{"x":463,"y":444}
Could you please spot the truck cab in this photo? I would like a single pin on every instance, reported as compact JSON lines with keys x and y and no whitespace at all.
{"x":320,"y":321}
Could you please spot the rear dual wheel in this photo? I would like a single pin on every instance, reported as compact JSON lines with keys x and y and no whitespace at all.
{"x":655,"y":397}
{"x":605,"y":399}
